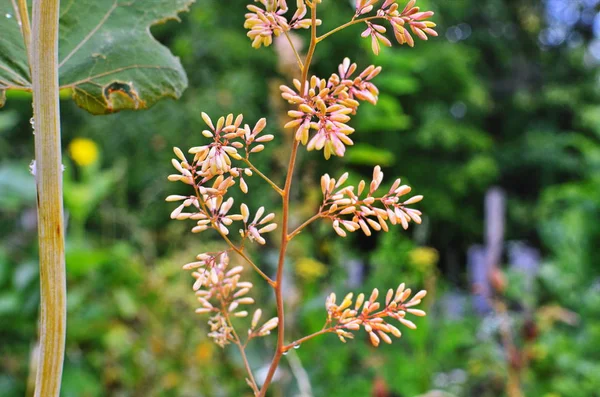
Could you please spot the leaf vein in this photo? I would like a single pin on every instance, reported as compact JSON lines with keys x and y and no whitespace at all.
{"x":20,"y":80}
{"x":118,"y":70}
{"x":90,"y":34}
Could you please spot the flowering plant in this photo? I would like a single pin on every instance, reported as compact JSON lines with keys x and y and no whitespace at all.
{"x":321,"y":112}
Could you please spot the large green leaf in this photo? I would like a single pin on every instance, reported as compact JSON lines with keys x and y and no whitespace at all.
{"x":108,"y":58}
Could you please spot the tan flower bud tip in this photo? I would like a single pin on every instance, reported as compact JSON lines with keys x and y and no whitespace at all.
{"x":175,"y":197}
{"x":270,"y":325}
{"x":207,"y":120}
{"x":385,"y":337}
{"x":416,"y":312}
{"x":241,"y":292}
{"x":394,"y":331}
{"x":359,"y":301}
{"x":407,"y":323}
{"x":389,"y":296}
{"x":179,"y":154}
{"x":419,"y":295}
{"x":245,"y":301}
{"x":374,"y":339}
{"x":374,"y":295}
{"x":414,"y":199}
{"x":405,"y":295}
{"x":268,"y":228}
{"x":234,"y":271}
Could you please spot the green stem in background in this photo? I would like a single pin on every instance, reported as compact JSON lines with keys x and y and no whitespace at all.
{"x":53,"y":313}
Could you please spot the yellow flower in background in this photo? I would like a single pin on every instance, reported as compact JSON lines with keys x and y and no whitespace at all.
{"x":83,"y":151}
{"x":204,"y":351}
{"x":310,"y":269}
{"x":424,"y":258}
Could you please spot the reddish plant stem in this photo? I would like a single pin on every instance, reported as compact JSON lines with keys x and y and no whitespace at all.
{"x":279,"y":278}
{"x":308,"y":337}
{"x":305,"y":224}
{"x":285,"y":222}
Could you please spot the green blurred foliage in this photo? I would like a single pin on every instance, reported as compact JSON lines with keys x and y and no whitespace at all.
{"x":487,"y":103}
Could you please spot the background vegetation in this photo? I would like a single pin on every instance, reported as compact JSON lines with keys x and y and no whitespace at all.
{"x":507,"y":96}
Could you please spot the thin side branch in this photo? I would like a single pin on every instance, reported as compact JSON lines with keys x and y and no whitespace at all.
{"x":242,"y":350}
{"x":344,"y":26}
{"x":241,"y":253}
{"x":263,"y":176}
{"x":305,"y":224}
{"x":308,"y":337}
{"x":296,"y":53}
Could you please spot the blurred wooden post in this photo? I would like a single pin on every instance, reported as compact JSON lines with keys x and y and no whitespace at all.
{"x":494,"y":232}
{"x":483,"y":261}
{"x":495,"y":214}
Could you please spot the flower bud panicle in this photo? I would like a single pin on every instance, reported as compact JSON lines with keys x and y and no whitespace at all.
{"x":372,"y":317}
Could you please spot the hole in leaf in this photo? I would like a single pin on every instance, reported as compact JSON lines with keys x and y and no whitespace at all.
{"x":120,"y":96}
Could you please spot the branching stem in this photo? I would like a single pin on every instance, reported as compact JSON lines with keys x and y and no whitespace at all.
{"x":285,"y":223}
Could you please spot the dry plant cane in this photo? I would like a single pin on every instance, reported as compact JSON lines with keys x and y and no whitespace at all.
{"x":41,"y":41}
{"x":30,"y":61}
{"x":322,"y":109}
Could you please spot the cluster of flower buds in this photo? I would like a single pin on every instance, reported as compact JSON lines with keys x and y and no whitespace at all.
{"x":259,"y":225}
{"x":345,"y":207}
{"x":215,"y":159}
{"x":213,"y":213}
{"x":410,"y":16}
{"x":221,"y":292}
{"x":325,"y":106}
{"x":269,"y":21}
{"x":264,"y":329}
{"x":211,"y":173}
{"x":351,"y":315}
